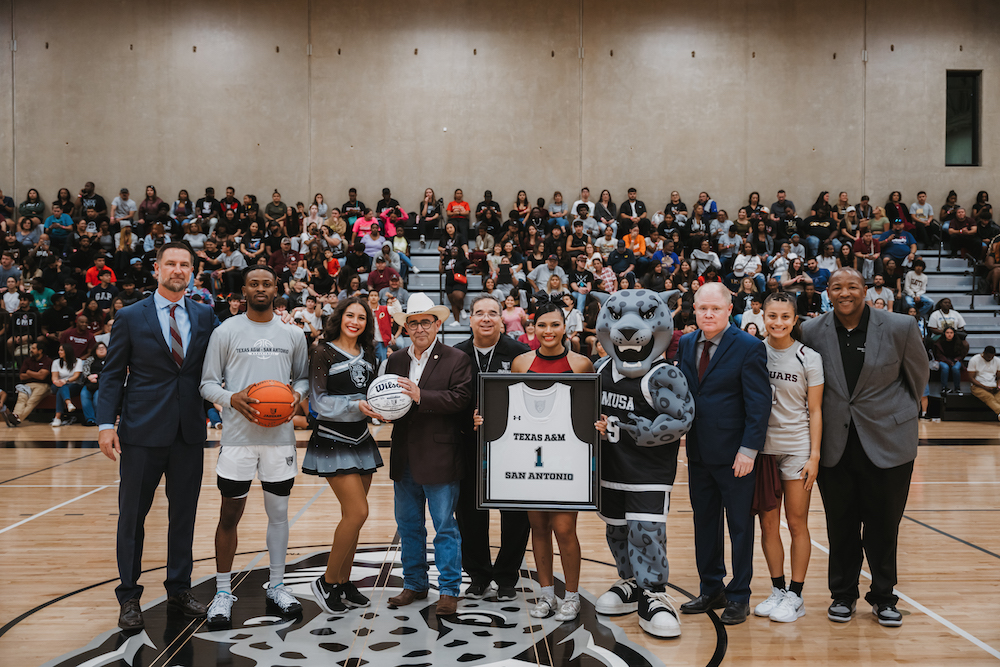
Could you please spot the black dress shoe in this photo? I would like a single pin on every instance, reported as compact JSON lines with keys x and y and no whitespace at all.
{"x":131,"y":616}
{"x":735,"y":613}
{"x":703,"y":603}
{"x":186,"y":604}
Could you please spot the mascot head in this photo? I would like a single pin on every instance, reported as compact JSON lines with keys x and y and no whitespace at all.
{"x":635,"y":327}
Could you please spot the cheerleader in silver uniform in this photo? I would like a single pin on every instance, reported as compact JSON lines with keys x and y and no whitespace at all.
{"x":341,"y":449}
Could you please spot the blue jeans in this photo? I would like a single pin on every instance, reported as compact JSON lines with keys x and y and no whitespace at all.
{"x":922,"y":304}
{"x":88,"y":399}
{"x":955,"y":371}
{"x":381,"y":351}
{"x":214,"y":416}
{"x":405,"y":264}
{"x":63,"y":394}
{"x":441,"y":500}
{"x":581,"y":300}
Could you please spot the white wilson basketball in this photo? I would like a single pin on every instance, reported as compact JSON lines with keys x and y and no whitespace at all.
{"x":387,"y":398}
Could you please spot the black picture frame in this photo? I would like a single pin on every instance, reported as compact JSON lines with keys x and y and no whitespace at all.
{"x":585,"y":409}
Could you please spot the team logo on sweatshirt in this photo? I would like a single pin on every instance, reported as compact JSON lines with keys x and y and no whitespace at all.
{"x":262,"y":349}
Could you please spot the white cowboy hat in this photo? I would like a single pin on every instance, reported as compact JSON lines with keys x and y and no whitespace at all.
{"x":418,"y":304}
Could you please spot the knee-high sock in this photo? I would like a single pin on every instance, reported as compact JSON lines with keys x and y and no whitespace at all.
{"x":647,"y":554}
{"x":618,"y":543}
{"x":277,"y":535}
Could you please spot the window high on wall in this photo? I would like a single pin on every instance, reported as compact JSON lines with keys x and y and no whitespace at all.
{"x":962,"y":119}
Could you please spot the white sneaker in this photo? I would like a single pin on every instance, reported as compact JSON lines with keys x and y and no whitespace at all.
{"x":220,"y":612}
{"x":622,"y":598}
{"x":771,"y":603}
{"x":791,"y":608}
{"x":280,"y":597}
{"x":465,"y":314}
{"x":455,"y":324}
{"x":70,"y":408}
{"x":657,"y":615}
{"x":568,"y":610}
{"x":56,"y":422}
{"x":544,"y":607}
{"x":414,"y":270}
{"x":22,"y":389}
{"x":423,"y":242}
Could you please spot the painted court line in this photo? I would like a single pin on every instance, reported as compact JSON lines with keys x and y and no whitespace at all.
{"x":916,"y":605}
{"x":52,"y":509}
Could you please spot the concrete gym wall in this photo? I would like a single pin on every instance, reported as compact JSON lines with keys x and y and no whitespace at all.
{"x":121,"y":97}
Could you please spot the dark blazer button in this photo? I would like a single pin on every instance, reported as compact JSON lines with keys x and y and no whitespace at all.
{"x":847,"y":426}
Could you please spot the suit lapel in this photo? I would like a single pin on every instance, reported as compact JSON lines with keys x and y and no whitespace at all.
{"x":727,"y":340}
{"x":154,"y":324}
{"x":873,"y":350}
{"x":431,"y":364}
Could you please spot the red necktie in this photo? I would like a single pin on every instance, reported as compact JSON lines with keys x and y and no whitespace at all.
{"x":176,"y":344}
{"x":703,"y":362}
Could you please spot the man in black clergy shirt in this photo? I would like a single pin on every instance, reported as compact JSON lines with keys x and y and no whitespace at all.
{"x":491,"y":351}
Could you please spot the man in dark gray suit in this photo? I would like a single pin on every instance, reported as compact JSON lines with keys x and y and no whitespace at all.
{"x":876,"y":369}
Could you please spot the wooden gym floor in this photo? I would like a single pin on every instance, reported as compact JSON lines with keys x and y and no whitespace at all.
{"x":58,"y":512}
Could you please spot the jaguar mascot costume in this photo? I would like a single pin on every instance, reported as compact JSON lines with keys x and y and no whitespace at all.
{"x":648,"y":408}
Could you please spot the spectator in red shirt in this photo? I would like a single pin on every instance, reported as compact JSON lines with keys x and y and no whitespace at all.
{"x":99,"y":265}
{"x":380,"y":276}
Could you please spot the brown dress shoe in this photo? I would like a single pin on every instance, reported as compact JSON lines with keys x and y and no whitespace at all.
{"x":447,"y":605}
{"x":131,"y":616}
{"x":406,"y":597}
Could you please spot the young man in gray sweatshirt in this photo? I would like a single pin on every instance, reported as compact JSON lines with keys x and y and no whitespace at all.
{"x":246,"y":349}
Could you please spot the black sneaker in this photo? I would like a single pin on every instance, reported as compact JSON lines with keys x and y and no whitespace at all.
{"x":328,"y":596}
{"x":622,"y":598}
{"x":352,"y":596}
{"x":657,"y":615}
{"x":887,"y":615}
{"x":841,"y":611}
{"x":506,"y":593}
{"x":476,"y":591}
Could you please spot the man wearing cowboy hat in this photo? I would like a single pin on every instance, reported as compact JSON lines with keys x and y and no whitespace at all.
{"x":426,"y":463}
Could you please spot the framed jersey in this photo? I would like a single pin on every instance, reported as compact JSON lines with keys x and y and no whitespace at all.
{"x":538,"y":448}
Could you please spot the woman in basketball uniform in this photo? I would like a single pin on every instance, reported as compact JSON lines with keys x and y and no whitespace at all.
{"x":552,"y":356}
{"x":341,"y":448}
{"x":794,"y":431}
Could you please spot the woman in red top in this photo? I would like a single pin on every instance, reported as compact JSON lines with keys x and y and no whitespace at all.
{"x":553,"y":356}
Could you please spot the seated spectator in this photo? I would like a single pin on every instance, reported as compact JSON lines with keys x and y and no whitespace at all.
{"x":963,"y":235}
{"x":32,"y":208}
{"x":380,"y":277}
{"x":949,"y":350}
{"x":795,"y":278}
{"x":59,"y":226}
{"x":703,"y":258}
{"x":41,"y":295}
{"x":818,"y":228}
{"x":915,"y":289}
{"x":748,"y":265}
{"x":826,"y":259}
{"x":754,"y":316}
{"x":456,"y":283}
{"x":65,"y":372}
{"x":922,"y":215}
{"x":605,"y":278}
{"x":123,"y":210}
{"x":92,"y":277}
{"x":79,"y":338}
{"x":945,"y":317}
{"x":36,"y":368}
{"x":867,"y":250}
{"x":819,"y":276}
{"x":879,"y":291}
{"x":898,"y":244}
{"x":809,"y":303}
{"x":984,"y":370}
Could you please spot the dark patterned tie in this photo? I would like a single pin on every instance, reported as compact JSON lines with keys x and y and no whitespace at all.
{"x":703,"y":362}
{"x":176,"y":342}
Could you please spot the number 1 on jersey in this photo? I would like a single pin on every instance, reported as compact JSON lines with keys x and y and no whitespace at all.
{"x":538,"y":457}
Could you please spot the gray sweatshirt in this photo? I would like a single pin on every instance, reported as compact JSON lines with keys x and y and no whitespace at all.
{"x":242,"y":352}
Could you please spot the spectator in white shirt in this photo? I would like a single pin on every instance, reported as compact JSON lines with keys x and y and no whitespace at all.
{"x":945,"y":317}
{"x":879,"y":291}
{"x":984,"y":369}
{"x":915,"y":289}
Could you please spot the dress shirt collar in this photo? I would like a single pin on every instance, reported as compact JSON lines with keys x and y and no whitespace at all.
{"x":161,"y":301}
{"x":862,"y":324}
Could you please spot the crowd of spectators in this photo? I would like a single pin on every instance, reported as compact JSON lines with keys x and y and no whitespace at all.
{"x":68,"y":266}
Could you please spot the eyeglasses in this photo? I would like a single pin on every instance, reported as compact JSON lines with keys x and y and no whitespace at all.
{"x":422,"y":324}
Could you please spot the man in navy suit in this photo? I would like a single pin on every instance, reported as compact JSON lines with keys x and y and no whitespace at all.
{"x":727,"y":371}
{"x":158,"y":346}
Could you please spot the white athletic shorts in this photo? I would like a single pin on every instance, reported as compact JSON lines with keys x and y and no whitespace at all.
{"x":271,"y":463}
{"x":790,"y":466}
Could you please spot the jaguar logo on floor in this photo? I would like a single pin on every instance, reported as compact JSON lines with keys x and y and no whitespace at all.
{"x":483,"y":632}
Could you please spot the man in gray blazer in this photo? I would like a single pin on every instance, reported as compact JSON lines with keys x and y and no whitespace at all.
{"x":876,"y":369}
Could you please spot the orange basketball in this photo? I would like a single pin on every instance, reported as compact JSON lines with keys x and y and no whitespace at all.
{"x":275,"y":405}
